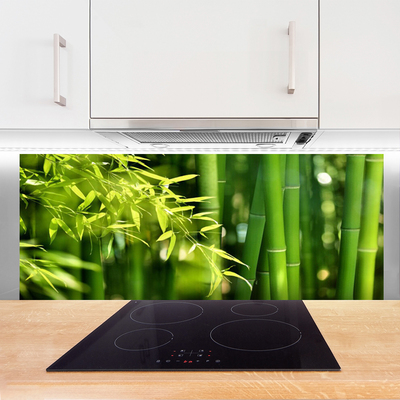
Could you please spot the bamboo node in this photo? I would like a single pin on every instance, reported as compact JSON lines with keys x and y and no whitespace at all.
{"x":380,"y":160}
{"x":292,"y":187}
{"x":293,"y":265}
{"x":276,"y":250}
{"x":368,"y":250}
{"x":351,"y":229}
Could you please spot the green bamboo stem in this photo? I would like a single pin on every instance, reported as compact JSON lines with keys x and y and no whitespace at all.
{"x":350,"y":226}
{"x":135,"y":279}
{"x":262,"y":284}
{"x":221,"y":162}
{"x":274,"y":227}
{"x":94,"y":279}
{"x":207,"y":168}
{"x":367,"y":243}
{"x":291,"y":211}
{"x":252,"y":245}
{"x":308,"y":271}
{"x":282,"y":162}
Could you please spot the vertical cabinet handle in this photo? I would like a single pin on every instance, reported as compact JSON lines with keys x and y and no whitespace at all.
{"x":58,"y":42}
{"x":292,"y":45}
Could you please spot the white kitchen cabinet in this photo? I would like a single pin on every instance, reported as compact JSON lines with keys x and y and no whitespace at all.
{"x":360,"y":64}
{"x":203,"y":59}
{"x":27,"y":63}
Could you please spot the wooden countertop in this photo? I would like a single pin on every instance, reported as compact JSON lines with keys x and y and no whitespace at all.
{"x":363,"y":335}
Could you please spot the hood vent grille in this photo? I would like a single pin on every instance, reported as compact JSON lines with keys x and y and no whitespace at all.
{"x":208,"y":136}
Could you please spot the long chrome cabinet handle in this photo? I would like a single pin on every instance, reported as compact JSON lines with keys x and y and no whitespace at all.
{"x":58,"y":42}
{"x":292,"y":66}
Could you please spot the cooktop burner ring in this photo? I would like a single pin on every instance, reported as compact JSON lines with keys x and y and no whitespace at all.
{"x":144,"y":339}
{"x":166,"y":313}
{"x":254,"y":309}
{"x":286,"y":335}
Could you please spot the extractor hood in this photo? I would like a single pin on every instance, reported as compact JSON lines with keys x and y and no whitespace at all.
{"x":185,"y":139}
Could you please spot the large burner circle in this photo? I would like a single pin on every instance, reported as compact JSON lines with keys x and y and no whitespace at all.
{"x":254,"y":309}
{"x":255,"y":335}
{"x":165,"y":313}
{"x":143,"y":339}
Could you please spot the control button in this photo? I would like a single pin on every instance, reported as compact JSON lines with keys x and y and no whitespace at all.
{"x":199,"y":355}
{"x":207,"y":361}
{"x":201,"y":351}
{"x":182,"y":351}
{"x":217,"y":361}
{"x":168,"y":361}
{"x":180,"y":355}
{"x":158,"y":361}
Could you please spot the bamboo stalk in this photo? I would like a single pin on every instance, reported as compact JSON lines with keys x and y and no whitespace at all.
{"x":262,"y":284}
{"x":94,"y":279}
{"x":252,"y":245}
{"x":308,"y":271}
{"x":221,"y":162}
{"x":367,"y":243}
{"x":274,"y":227}
{"x":207,"y":168}
{"x":350,"y":226}
{"x":291,"y":210}
{"x":135,"y":281}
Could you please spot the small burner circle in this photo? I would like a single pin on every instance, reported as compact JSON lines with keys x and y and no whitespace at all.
{"x":143,"y":339}
{"x":255,"y":335}
{"x":254,"y":309}
{"x":165,"y":313}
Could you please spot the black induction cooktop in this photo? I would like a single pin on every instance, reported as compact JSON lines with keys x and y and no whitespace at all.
{"x":203,"y":335}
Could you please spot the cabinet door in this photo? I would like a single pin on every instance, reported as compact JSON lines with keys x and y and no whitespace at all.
{"x":202,"y":58}
{"x":360,"y":64}
{"x":27,"y":63}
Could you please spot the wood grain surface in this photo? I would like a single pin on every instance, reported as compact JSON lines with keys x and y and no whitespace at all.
{"x":363,"y":335}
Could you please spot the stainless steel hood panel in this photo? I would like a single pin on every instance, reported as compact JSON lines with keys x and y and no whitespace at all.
{"x":203,"y":123}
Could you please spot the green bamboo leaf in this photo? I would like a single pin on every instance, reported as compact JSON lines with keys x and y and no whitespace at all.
{"x":80,"y":219}
{"x":136,"y":218}
{"x":162,"y":218}
{"x":179,"y":179}
{"x":120,"y":226}
{"x":193,"y":248}
{"x":206,"y":219}
{"x":22,"y":224}
{"x":96,"y":217}
{"x":210,"y":227}
{"x":195,"y":199}
{"x":224,"y":254}
{"x":47,"y":165}
{"x":53,"y":228}
{"x":198,"y":215}
{"x":47,"y":280}
{"x":109,"y":246}
{"x":150,"y":175}
{"x":64,"y":183}
{"x":87,"y":201}
{"x":44,"y":271}
{"x":230,"y":273}
{"x":97,"y":171}
{"x":24,"y":198}
{"x":77,"y":191}
{"x":24,"y":244}
{"x":165,"y":235}
{"x":181,"y":209}
{"x":65,"y":228}
{"x":106,"y":203}
{"x":171,"y":246}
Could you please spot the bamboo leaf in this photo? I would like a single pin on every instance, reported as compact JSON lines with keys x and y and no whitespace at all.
{"x":181,"y":209}
{"x":53,"y":228}
{"x":24,"y":244}
{"x":150,"y":175}
{"x":195,"y":199}
{"x":179,"y":179}
{"x":65,"y":228}
{"x":77,"y":191}
{"x":165,"y":235}
{"x":162,"y":218}
{"x":88,"y":200}
{"x":210,"y":227}
{"x":198,"y":215}
{"x":96,"y":217}
{"x":136,"y":218}
{"x":47,"y":165}
{"x":97,"y":171}
{"x":22,"y":224}
{"x":47,"y":280}
{"x":52,"y":275}
{"x":80,"y":225}
{"x":171,"y":245}
{"x":120,"y":226}
{"x":224,"y":254}
{"x":109,"y":246}
{"x":234,"y":274}
{"x":193,"y":248}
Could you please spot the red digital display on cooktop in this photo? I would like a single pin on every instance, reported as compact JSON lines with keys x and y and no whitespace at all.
{"x":203,"y":335}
